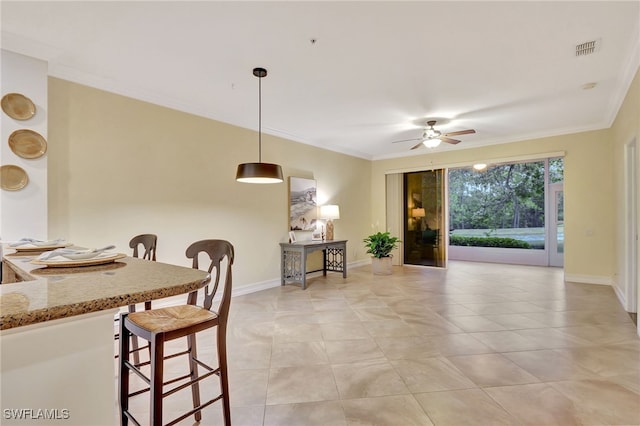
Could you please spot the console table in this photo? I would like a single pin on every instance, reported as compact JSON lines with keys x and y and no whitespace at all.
{"x":293,"y":259}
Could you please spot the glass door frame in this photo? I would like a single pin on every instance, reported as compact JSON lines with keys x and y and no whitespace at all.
{"x":556,"y":195}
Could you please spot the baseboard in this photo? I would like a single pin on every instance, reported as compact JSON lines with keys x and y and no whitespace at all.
{"x":359,"y":263}
{"x":622,"y":298}
{"x":587,"y":279}
{"x":251,"y":288}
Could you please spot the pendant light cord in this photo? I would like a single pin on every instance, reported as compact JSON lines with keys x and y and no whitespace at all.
{"x":259,"y":119}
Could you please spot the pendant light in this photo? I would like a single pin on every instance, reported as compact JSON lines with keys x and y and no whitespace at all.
{"x":259,"y":172}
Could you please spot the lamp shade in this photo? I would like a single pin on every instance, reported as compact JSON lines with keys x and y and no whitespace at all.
{"x":418,"y":212}
{"x":259,"y":173}
{"x":329,"y":211}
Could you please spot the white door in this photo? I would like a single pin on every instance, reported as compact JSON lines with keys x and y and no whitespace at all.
{"x":555,"y":236}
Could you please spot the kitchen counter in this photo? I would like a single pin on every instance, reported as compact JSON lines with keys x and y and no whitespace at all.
{"x":52,"y":293}
{"x":57,"y":334}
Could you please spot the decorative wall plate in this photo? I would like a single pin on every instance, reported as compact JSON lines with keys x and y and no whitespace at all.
{"x":13,"y":178}
{"x":27,"y":144}
{"x":18,"y":106}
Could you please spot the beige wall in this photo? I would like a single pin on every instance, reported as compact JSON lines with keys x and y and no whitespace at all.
{"x":119,"y":167}
{"x":588,"y":196}
{"x":625,"y":130}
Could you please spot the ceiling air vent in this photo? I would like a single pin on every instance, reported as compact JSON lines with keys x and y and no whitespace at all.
{"x":587,"y":48}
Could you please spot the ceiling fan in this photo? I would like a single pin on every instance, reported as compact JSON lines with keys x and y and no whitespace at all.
{"x":431,"y":137}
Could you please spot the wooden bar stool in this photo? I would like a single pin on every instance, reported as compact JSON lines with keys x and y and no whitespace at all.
{"x":159,"y":326}
{"x":149,"y":243}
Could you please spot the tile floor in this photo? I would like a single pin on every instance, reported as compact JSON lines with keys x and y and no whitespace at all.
{"x":476,"y":344}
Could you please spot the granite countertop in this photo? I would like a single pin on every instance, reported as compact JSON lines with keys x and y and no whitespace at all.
{"x":54,"y":293}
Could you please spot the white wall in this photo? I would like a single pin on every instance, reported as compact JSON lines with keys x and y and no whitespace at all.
{"x":23,"y":213}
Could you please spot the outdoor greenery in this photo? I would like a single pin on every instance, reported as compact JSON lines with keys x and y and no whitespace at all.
{"x":455,"y":240}
{"x":380,"y":244}
{"x":501,"y":198}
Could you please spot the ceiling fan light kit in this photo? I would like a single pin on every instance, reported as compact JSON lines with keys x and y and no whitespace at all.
{"x":479,"y":166}
{"x":431,"y":138}
{"x":431,"y":143}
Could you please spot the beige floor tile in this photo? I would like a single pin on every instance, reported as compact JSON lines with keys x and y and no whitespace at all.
{"x":491,"y":370}
{"x":250,"y":332}
{"x":350,"y":351}
{"x":629,"y":380}
{"x":515,"y":321}
{"x":316,"y":356}
{"x":549,"y":365}
{"x":388,"y":328}
{"x":385,"y":411}
{"x":344,"y":331}
{"x":604,"y":334}
{"x":536,"y":404}
{"x":464,"y":407}
{"x":329,"y":304}
{"x":452,"y":310}
{"x":458,"y":344}
{"x":601,"y":402}
{"x":248,"y":355}
{"x":301,"y":384}
{"x":290,"y":354}
{"x":325,"y":413}
{"x":610,"y":360}
{"x":475,"y":323}
{"x":407,"y":347}
{"x":343,"y":315}
{"x":286,"y":318}
{"x":248,"y":387}
{"x":298,"y":332}
{"x":367,"y":379}
{"x":507,"y":341}
{"x":376,"y":314}
{"x":432,"y":325}
{"x":431,"y":374}
{"x":243,"y":416}
{"x":364,"y":300}
{"x":550,"y":338}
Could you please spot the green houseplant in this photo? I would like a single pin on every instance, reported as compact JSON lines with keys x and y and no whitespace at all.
{"x":379,"y":245}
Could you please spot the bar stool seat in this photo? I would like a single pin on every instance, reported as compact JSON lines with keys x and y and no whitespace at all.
{"x":172,"y":318}
{"x":158,"y":326}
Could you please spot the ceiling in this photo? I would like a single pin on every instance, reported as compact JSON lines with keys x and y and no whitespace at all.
{"x":352,"y":77}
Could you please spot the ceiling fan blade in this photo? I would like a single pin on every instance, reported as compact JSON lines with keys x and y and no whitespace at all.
{"x":417,"y":146}
{"x":449,"y":140}
{"x":460,"y":132}
{"x":407,"y":140}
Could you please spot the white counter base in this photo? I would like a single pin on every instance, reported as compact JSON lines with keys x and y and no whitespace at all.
{"x":59,"y":372}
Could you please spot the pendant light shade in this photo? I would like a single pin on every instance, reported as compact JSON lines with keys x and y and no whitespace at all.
{"x":259,"y":172}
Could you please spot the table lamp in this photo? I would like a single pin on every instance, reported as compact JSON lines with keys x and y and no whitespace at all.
{"x":329,"y":212}
{"x":418,"y":214}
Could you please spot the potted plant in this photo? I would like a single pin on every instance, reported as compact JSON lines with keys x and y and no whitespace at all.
{"x":379,"y":245}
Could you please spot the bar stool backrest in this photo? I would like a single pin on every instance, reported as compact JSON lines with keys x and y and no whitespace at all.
{"x":217,"y":250}
{"x":148,"y":241}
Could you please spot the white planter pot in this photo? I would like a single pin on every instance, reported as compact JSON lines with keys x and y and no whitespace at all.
{"x":381,"y":265}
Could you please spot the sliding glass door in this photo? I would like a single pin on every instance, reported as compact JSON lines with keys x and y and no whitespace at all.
{"x":424,"y":218}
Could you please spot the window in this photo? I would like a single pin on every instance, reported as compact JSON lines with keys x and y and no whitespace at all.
{"x":502,"y":206}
